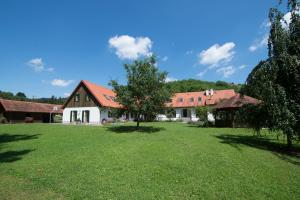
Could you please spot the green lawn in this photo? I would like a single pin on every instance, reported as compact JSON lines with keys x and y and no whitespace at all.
{"x":162,"y":161}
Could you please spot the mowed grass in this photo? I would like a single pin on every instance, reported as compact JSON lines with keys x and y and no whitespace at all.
{"x":161,"y":161}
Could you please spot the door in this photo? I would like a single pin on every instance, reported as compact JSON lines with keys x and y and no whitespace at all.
{"x":85,"y":116}
{"x":73,"y":116}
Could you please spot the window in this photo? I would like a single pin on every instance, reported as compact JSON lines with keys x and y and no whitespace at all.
{"x":192,"y":99}
{"x":109,"y":114}
{"x":199,"y":99}
{"x":87,"y":97}
{"x":106,"y":97}
{"x":77,"y":97}
{"x":180,"y":99}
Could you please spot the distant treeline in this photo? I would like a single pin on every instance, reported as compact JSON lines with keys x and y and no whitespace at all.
{"x":192,"y":85}
{"x":20,"y":96}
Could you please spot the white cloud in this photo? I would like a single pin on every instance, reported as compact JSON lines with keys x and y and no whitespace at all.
{"x":165,"y":58}
{"x":242,"y":66}
{"x":217,"y":54}
{"x":61,"y":82}
{"x":190,"y":52}
{"x":259,"y":43}
{"x":131,"y":48}
{"x":37,"y":64}
{"x":50,"y":69}
{"x":226,"y":71}
{"x":170,"y":79}
{"x":202,"y":73}
{"x":67,"y":94}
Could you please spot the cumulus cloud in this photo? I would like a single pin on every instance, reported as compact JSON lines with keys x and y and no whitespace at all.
{"x":242,"y":66}
{"x":259,"y":43}
{"x":226,"y":71}
{"x":202,"y":73}
{"x":217,"y":54}
{"x":37,"y":64}
{"x":165,"y":58}
{"x":67,"y":94}
{"x":170,"y":79}
{"x":61,"y":82}
{"x":130,"y":48}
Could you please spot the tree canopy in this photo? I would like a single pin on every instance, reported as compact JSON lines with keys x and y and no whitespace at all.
{"x":145,"y":92}
{"x":276,"y":80}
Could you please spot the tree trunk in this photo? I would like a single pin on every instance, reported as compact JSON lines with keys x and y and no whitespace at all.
{"x":289,"y":141}
{"x":138,"y":121}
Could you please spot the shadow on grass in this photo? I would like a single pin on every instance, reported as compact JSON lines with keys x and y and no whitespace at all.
{"x":4,"y":137}
{"x":130,"y":129}
{"x":278,"y":149}
{"x":11,"y":156}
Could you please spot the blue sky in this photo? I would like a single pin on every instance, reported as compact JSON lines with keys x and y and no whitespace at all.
{"x":47,"y":47}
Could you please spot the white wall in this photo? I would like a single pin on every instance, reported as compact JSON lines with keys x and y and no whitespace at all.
{"x":94,"y":114}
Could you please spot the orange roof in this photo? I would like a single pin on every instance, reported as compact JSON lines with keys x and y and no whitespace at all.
{"x":194,"y":99}
{"x":25,"y":106}
{"x":103,"y":95}
{"x":236,"y":102}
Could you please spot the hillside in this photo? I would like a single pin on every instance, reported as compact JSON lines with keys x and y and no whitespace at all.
{"x":192,"y":85}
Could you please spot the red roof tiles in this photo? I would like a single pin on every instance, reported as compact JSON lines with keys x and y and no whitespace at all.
{"x":103,"y":95}
{"x":193,"y":99}
{"x":236,"y":101}
{"x":24,"y":106}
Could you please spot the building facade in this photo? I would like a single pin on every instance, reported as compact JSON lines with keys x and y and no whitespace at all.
{"x":92,"y":104}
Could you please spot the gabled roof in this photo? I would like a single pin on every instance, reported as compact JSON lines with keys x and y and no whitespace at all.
{"x":104,"y":96}
{"x":186,"y":97}
{"x":236,"y":101}
{"x":25,"y":106}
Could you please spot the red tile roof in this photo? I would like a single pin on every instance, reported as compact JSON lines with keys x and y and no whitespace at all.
{"x":236,"y":102}
{"x":217,"y":96}
{"x":103,"y":95}
{"x":25,"y":106}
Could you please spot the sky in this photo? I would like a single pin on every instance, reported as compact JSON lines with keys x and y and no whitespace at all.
{"x":48,"y":46}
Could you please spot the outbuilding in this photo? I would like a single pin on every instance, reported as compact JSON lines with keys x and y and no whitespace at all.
{"x":23,"y":111}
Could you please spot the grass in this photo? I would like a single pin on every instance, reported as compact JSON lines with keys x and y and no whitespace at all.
{"x":160,"y":161}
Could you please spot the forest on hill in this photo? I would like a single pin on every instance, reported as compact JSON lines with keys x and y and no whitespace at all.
{"x":193,"y":85}
{"x":189,"y":85}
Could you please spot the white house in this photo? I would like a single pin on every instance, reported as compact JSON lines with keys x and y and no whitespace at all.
{"x":185,"y":104}
{"x":92,"y":104}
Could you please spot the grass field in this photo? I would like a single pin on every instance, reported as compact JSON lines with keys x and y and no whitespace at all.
{"x":162,"y":161}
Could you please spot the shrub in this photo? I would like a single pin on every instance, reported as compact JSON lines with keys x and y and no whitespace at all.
{"x":3,"y":119}
{"x":57,"y":119}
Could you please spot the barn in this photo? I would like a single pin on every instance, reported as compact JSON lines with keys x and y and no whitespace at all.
{"x":23,"y":111}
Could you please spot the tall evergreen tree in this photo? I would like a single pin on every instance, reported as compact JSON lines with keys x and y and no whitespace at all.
{"x":276,"y":81}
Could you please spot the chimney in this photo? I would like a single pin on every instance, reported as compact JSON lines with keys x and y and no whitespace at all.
{"x":206,"y":92}
{"x":211,"y":92}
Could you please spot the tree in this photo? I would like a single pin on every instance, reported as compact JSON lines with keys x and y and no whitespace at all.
{"x":21,"y":95}
{"x":202,"y":113}
{"x":145,"y":93}
{"x":276,"y":81}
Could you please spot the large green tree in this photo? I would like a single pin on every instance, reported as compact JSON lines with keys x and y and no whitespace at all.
{"x":145,"y":93}
{"x":276,"y":81}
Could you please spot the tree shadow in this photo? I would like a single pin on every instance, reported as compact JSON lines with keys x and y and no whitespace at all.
{"x":278,"y":149}
{"x":5,"y":138}
{"x":130,"y":129}
{"x":11,"y":156}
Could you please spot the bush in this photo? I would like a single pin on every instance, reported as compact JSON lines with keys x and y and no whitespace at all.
{"x":57,"y":119}
{"x":3,"y":119}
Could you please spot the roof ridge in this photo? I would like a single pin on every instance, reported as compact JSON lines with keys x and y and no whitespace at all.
{"x":29,"y":102}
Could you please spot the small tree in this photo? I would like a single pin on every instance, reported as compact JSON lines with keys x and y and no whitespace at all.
{"x":202,"y":114}
{"x":145,"y":93}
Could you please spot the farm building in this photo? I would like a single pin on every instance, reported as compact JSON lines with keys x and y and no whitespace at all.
{"x":22,"y":111}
